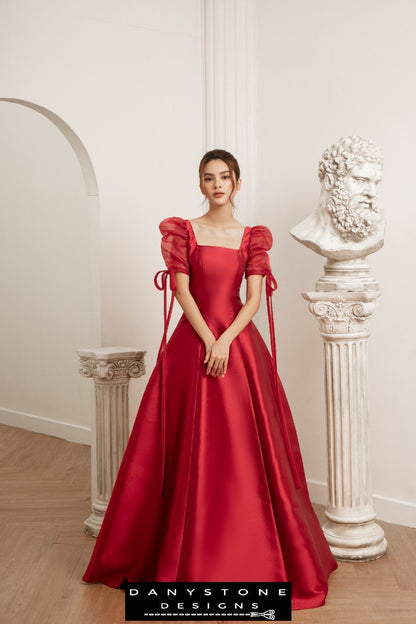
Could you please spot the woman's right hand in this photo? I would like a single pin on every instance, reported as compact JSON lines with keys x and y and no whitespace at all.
{"x":216,"y":357}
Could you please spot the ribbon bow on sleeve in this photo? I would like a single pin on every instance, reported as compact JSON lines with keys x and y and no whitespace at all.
{"x":161,"y":283}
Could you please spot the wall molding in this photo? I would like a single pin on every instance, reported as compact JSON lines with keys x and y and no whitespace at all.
{"x":387,"y":509}
{"x":47,"y":426}
{"x":228,"y":90}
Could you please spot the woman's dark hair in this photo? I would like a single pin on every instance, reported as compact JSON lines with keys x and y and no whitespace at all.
{"x":219,"y":154}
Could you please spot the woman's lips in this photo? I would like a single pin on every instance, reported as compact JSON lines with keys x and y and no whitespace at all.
{"x":218,"y":194}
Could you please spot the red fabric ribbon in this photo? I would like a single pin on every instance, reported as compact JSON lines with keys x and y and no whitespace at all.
{"x":161,"y":280}
{"x":271,"y":286}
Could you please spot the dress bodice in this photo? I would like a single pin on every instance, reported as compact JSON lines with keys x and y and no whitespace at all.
{"x":215,"y":279}
{"x":215,"y":272}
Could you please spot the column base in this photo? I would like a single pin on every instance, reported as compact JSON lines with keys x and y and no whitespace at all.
{"x":92,"y":525}
{"x":355,"y":542}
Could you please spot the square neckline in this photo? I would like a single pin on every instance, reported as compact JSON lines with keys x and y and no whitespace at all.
{"x":246,"y":227}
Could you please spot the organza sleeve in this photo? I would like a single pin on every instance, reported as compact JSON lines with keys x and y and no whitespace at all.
{"x":258,"y":262}
{"x":174,"y":245}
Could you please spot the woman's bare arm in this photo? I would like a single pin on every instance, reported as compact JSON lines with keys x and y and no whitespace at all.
{"x":191,"y":310}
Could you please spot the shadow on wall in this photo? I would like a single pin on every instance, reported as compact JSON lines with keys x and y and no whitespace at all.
{"x":78,"y":147}
{"x":51,"y":277}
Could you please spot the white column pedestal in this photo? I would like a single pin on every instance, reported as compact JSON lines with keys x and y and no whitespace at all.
{"x":111,"y":369}
{"x":344,"y":316}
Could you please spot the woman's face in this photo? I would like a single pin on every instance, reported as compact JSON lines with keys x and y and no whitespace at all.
{"x":218,"y":183}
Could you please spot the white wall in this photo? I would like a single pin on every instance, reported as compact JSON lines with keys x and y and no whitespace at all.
{"x":126,"y":77}
{"x":327,"y":69}
{"x":47,"y":231}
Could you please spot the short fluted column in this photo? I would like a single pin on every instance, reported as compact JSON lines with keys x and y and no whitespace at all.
{"x":111,"y":368}
{"x":350,"y":528}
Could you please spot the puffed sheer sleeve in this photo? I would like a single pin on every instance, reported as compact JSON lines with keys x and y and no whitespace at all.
{"x":258,"y":262}
{"x":175,"y":237}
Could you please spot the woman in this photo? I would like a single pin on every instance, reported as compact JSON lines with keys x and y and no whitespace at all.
{"x":211,"y":486}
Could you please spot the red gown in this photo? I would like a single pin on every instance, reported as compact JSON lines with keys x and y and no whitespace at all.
{"x":211,"y":486}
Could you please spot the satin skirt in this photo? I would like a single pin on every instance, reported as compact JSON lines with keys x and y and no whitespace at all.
{"x":230,"y":510}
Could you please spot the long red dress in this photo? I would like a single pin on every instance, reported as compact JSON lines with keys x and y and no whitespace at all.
{"x":211,"y":486}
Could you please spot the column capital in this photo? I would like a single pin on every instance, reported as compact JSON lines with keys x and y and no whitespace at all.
{"x":111,"y":363}
{"x":343,"y":313}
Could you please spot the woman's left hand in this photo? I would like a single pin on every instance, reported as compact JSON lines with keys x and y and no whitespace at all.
{"x":217,"y":356}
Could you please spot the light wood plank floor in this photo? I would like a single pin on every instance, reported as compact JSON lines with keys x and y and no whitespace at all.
{"x":44,"y":499}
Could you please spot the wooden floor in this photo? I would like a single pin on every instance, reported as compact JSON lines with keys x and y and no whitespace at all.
{"x":44,"y":499}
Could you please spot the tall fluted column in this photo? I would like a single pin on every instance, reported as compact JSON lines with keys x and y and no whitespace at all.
{"x":228,"y":83}
{"x":344,"y":318}
{"x":111,"y":368}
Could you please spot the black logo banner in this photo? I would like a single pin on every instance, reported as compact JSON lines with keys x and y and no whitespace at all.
{"x":208,"y":601}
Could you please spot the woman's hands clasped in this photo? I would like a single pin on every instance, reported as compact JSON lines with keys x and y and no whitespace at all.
{"x":216,"y":357}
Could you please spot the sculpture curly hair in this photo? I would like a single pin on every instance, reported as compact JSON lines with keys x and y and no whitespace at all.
{"x":343,"y":155}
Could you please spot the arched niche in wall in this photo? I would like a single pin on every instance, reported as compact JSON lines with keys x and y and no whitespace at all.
{"x":50,"y":282}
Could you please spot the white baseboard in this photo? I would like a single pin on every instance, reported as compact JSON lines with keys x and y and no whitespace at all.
{"x":48,"y":426}
{"x":387,"y":509}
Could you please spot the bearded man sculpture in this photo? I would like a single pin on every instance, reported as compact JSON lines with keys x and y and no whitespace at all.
{"x":348,"y":223}
{"x":346,"y":227}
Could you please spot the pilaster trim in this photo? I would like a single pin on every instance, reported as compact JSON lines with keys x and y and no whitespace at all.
{"x":229,"y":89}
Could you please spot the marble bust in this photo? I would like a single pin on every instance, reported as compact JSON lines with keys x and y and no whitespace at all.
{"x":347,"y":223}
